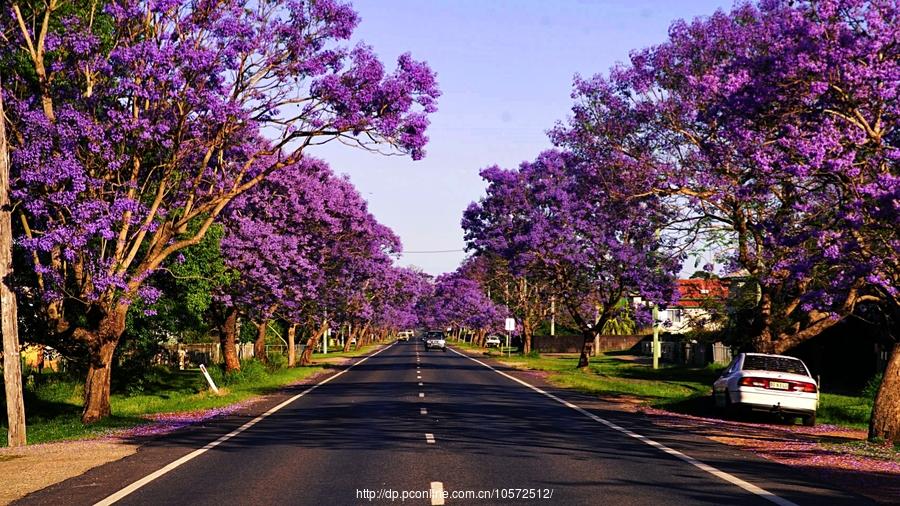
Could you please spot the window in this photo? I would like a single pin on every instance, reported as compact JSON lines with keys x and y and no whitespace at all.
{"x":776,"y":364}
{"x":675,"y":315}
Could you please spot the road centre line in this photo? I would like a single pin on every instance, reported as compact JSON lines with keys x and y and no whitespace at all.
{"x":730,"y":478}
{"x":437,"y":493}
{"x":421,"y":394}
{"x":117,"y":496}
{"x":429,"y":438}
{"x":423,"y":411}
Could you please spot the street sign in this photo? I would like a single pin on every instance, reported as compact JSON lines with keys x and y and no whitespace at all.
{"x":510,"y":324}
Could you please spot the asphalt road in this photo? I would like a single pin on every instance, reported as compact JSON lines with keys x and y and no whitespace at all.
{"x":406,"y":422}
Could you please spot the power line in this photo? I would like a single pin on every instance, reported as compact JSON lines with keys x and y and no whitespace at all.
{"x":435,"y":251}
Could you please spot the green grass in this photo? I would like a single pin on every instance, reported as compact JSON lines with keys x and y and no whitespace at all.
{"x":342,"y":353}
{"x":53,"y":403}
{"x":676,"y":388}
{"x":846,"y":410}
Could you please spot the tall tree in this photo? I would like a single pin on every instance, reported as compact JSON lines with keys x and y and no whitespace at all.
{"x":138,"y":121}
{"x":562,"y":219}
{"x":9,"y":320}
{"x":525,"y":294}
{"x":776,"y":127}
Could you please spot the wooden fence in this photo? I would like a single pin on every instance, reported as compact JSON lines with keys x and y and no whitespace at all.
{"x":698,"y":354}
{"x":573,"y":343}
{"x":185,"y":356}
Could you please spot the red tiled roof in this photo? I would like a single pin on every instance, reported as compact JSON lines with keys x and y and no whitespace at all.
{"x":693,"y":292}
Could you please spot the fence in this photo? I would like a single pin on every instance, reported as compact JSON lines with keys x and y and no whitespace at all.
{"x":573,"y":343}
{"x":698,"y":354}
{"x":186,"y":356}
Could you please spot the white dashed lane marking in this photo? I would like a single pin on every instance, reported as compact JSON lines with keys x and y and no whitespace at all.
{"x":421,"y":394}
{"x":429,"y":438}
{"x":437,"y":493}
{"x":423,"y":411}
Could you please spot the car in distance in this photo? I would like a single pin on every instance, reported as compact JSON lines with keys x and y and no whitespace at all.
{"x":772,"y":383}
{"x":492,"y":341}
{"x":404,"y":335}
{"x":435,"y":339}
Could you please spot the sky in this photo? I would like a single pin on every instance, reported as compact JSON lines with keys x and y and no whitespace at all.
{"x":505,"y":68}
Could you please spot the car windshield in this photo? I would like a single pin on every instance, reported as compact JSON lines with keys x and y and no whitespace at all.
{"x":776,"y":364}
{"x":435,"y":335}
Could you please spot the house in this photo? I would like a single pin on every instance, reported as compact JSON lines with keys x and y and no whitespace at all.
{"x":696,"y":306}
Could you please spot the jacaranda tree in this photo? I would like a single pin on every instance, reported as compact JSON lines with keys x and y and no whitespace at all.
{"x":776,"y":126}
{"x":135,"y":122}
{"x":563,"y":219}
{"x":459,"y":303}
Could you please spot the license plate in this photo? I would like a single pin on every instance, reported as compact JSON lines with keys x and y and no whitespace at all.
{"x":779,"y":385}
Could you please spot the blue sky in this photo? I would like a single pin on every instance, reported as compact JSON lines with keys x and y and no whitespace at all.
{"x":505,"y":68}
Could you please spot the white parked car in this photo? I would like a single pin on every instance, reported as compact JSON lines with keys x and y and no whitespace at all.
{"x":771,"y":383}
{"x":492,"y":341}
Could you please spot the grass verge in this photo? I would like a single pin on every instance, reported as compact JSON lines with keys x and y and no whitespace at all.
{"x":675,"y":388}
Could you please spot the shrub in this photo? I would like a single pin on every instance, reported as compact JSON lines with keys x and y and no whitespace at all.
{"x":871,"y":388}
{"x":277,"y":361}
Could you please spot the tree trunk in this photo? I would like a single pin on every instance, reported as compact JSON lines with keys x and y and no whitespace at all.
{"x":291,"y":339}
{"x":227,"y":333}
{"x":762,"y":342}
{"x":885,"y":422}
{"x":102,"y":344}
{"x":9,"y":323}
{"x":763,"y":339}
{"x":584,"y":360}
{"x":259,"y":346}
{"x":363,"y":337}
{"x":357,"y":333}
{"x":306,"y":356}
{"x":97,"y":385}
{"x":527,"y":333}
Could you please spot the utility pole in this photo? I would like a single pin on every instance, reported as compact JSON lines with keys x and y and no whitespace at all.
{"x":9,"y":324}
{"x":552,"y":315}
{"x":656,"y":347}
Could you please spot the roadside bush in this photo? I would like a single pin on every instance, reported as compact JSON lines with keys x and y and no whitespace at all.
{"x":871,"y":388}
{"x":251,"y":370}
{"x":277,"y":361}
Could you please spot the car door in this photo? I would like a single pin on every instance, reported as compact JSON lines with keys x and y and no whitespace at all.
{"x":721,"y":384}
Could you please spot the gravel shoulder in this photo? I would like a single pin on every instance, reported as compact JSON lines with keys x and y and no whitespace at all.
{"x":38,"y":466}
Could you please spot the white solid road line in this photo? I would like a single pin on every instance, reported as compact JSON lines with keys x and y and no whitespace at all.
{"x":437,"y":493}
{"x":730,"y":478}
{"x":209,"y":446}
{"x":423,"y":411}
{"x":429,"y":438}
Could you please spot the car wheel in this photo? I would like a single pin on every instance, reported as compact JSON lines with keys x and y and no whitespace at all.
{"x":730,"y":409}
{"x":809,"y":420}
